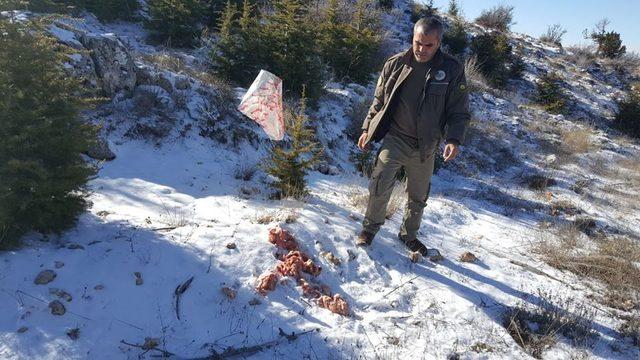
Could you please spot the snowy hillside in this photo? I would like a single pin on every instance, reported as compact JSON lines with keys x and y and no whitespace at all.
{"x":184,"y":199}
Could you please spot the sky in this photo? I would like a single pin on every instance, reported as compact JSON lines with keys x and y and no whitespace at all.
{"x":533,"y":17}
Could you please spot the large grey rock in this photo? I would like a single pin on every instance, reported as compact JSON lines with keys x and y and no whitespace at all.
{"x":45,"y":277}
{"x":113,"y":63}
{"x":100,"y":151}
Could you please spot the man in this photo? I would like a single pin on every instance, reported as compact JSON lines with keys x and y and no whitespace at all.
{"x":420,"y":98}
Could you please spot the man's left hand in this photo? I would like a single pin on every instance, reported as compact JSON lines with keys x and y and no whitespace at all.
{"x":450,"y":151}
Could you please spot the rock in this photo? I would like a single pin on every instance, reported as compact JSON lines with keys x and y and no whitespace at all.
{"x":468,"y":257}
{"x":45,"y":277}
{"x":113,"y":63}
{"x":73,"y":334}
{"x":100,"y":150}
{"x":139,"y":280}
{"x":231,"y":245}
{"x":75,"y":247}
{"x":436,"y":258}
{"x":98,"y":287}
{"x":229,"y":292}
{"x":328,"y":169}
{"x":254,"y":302}
{"x":22,"y":330}
{"x":331,"y":258}
{"x":182,"y":83}
{"x":58,"y":264}
{"x":57,"y":308}
{"x":61,"y":294}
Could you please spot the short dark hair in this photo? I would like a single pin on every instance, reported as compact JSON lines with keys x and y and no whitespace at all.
{"x":429,"y":24}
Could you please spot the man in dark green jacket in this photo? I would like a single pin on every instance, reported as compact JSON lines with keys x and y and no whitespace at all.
{"x":420,"y":98}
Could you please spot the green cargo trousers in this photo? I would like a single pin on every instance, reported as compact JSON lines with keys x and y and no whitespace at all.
{"x":394,"y":154}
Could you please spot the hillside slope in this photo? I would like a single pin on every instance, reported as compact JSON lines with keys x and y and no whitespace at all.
{"x":182,"y":187}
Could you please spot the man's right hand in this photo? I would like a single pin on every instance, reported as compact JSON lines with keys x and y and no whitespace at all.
{"x":361,"y":141}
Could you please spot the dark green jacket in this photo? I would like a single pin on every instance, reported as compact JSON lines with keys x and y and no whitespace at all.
{"x":443,"y":110}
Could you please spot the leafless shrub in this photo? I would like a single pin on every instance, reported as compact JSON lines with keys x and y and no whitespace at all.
{"x":499,"y":18}
{"x":174,"y":216}
{"x":536,"y":328}
{"x":564,"y":207}
{"x":581,"y":55}
{"x":627,"y":63}
{"x":553,"y":35}
{"x":358,"y":199}
{"x":245,"y":171}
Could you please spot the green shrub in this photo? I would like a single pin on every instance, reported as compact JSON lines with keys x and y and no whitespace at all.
{"x":349,"y":47}
{"x":494,"y":56}
{"x":419,"y":11}
{"x":105,"y":10}
{"x":609,"y":42}
{"x":283,"y":42}
{"x":499,"y":18}
{"x":175,"y":22}
{"x":628,"y":115}
{"x":385,"y":4}
{"x":42,"y":173}
{"x":456,"y":38}
{"x":549,"y":93}
{"x":290,"y":164}
{"x":454,"y":9}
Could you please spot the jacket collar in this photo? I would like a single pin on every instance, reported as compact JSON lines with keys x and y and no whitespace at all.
{"x":437,"y":60}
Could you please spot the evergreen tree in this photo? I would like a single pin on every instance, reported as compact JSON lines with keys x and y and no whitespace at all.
{"x":454,"y":9}
{"x":549,"y":93}
{"x":494,"y":56}
{"x":609,"y":42}
{"x":226,"y":51}
{"x":293,"y":52}
{"x":456,"y":37}
{"x":290,"y":164}
{"x":42,"y":174}
{"x":176,"y":22}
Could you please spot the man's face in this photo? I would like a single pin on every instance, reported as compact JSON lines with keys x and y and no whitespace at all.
{"x":425,"y":45}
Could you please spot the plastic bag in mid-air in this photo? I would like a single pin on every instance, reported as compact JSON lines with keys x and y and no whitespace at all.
{"x":263,"y":104}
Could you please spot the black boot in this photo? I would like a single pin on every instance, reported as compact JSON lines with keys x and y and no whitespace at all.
{"x":414,"y":245}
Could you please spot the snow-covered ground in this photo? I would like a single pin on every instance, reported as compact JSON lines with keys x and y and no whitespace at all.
{"x":169,"y":213}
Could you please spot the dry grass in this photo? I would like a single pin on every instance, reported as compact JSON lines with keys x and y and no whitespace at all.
{"x":397,"y":200}
{"x":581,"y":55}
{"x":277,"y":216}
{"x":577,"y":141}
{"x":537,"y":328}
{"x":610,"y":262}
{"x":359,"y":199}
{"x":475,"y":79}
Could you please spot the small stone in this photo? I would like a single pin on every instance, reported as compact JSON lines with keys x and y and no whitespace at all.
{"x":139,"y":280}
{"x":468,"y":257}
{"x":436,"y":258}
{"x":415,"y":256}
{"x":73,"y":334}
{"x":58,"y":264}
{"x":229,"y":292}
{"x":99,"y":287}
{"x":57,"y":308}
{"x":75,"y":247}
{"x":331,"y":258}
{"x":231,"y":245}
{"x":354,"y":217}
{"x":45,"y":277}
{"x":254,"y":302}
{"x":61,"y":294}
{"x":22,"y":330}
